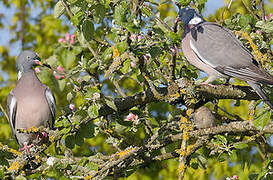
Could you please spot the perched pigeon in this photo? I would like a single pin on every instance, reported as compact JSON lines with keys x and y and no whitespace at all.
{"x":30,"y":103}
{"x":203,"y":118}
{"x":216,"y":51}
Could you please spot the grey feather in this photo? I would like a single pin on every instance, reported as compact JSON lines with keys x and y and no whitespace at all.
{"x":260,"y":92}
{"x":52,"y":104}
{"x":12,"y":108}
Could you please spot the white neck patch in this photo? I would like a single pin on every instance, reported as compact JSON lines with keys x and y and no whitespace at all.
{"x":19,"y":75}
{"x":195,"y":20}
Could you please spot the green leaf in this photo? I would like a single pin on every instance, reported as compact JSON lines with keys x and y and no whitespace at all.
{"x":79,"y":140}
{"x":79,"y":116}
{"x":246,"y":20}
{"x":155,"y":51}
{"x":221,"y":138}
{"x":61,"y":84}
{"x":88,"y":29}
{"x":194,"y":166}
{"x":87,"y":130}
{"x":271,"y":42}
{"x":233,"y":155}
{"x":70,"y":141}
{"x":266,"y":26}
{"x":184,"y":2}
{"x":92,"y":166}
{"x":107,"y":54}
{"x":99,"y":13}
{"x":262,"y":119}
{"x":126,"y":66}
{"x":58,"y":9}
{"x":120,"y":12}
{"x":67,"y":57}
{"x":65,"y":130}
{"x":221,"y":158}
{"x":110,"y":102}
{"x":240,"y":145}
{"x":93,"y":111}
{"x":175,"y":37}
{"x":122,"y":46}
{"x":70,"y":96}
{"x":146,"y":11}
{"x":2,"y":170}
{"x":20,"y":177}
{"x":202,"y":161}
{"x":76,"y":19}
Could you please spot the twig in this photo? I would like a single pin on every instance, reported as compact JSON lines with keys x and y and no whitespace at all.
{"x":91,"y":50}
{"x":233,"y":127}
{"x":175,"y":49}
{"x":262,"y":10}
{"x":119,"y":89}
{"x":160,"y":20}
{"x":22,"y":19}
{"x":4,"y":112}
{"x":249,"y":10}
{"x":67,"y":8}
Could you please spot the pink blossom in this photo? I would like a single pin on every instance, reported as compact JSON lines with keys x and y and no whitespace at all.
{"x":72,"y":40}
{"x":140,"y":37}
{"x":133,"y":37}
{"x":259,"y":32}
{"x":132,"y":117}
{"x":133,"y":64}
{"x":235,"y":177}
{"x":57,"y":76}
{"x":67,"y":36}
{"x":268,"y":16}
{"x":60,"y":68}
{"x":62,"y":40}
{"x":71,"y":106}
{"x":37,"y":70}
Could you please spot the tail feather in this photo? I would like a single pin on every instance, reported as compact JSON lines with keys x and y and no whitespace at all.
{"x":258,"y":89}
{"x":250,"y":73}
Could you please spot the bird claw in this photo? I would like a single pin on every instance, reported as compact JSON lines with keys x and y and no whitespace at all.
{"x":26,"y":147}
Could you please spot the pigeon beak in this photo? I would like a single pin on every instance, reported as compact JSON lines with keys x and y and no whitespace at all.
{"x":38,"y":62}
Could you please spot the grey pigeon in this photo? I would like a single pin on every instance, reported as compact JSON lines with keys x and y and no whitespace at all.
{"x":203,"y":118}
{"x":216,"y":51}
{"x":30,"y":103}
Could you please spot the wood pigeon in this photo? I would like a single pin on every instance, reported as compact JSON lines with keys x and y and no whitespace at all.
{"x":216,"y":51}
{"x":30,"y":103}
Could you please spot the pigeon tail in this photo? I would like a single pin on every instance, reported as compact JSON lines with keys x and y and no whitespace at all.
{"x":258,"y":89}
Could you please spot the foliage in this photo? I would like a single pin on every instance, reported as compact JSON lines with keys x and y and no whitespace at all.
{"x":126,"y":96}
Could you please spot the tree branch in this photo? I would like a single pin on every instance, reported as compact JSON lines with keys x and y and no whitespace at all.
{"x":205,"y":92}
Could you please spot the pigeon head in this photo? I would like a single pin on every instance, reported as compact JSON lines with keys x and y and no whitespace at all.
{"x":189,"y":16}
{"x":27,"y":60}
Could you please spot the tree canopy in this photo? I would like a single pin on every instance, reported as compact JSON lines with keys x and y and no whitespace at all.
{"x":129,"y":104}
